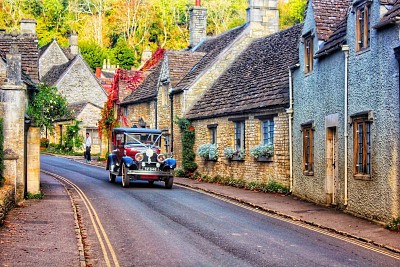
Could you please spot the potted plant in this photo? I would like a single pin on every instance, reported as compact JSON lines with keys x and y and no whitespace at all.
{"x":208,"y":152}
{"x":233,"y":154}
{"x":263,"y":152}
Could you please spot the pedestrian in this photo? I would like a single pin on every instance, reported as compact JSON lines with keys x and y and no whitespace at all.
{"x":88,"y":146}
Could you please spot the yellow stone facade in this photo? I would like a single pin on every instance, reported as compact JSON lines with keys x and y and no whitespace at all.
{"x":249,"y":169}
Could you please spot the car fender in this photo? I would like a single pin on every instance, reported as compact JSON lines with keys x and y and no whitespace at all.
{"x":170,"y":162}
{"x":129,"y":162}
{"x":111,"y":161}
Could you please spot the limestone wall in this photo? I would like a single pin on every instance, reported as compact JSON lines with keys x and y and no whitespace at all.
{"x":249,"y":169}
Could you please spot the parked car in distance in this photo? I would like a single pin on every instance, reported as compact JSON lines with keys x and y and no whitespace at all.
{"x":136,"y":155}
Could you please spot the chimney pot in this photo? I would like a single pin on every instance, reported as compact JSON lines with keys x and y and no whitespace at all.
{"x":73,"y":43}
{"x":98,"y":72}
{"x":198,"y":2}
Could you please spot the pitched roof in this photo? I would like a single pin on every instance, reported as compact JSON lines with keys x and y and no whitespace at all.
{"x":257,"y":80}
{"x":328,"y":14}
{"x":212,"y":47}
{"x":54,"y":74}
{"x":76,"y":109}
{"x":28,"y":48}
{"x":148,"y":88}
{"x":335,"y":41}
{"x":179,"y":64}
{"x":391,"y":17}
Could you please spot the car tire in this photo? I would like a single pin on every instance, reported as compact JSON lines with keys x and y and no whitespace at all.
{"x":151,"y":182}
{"x":111,"y":178}
{"x":125,"y":178}
{"x":169,"y":182}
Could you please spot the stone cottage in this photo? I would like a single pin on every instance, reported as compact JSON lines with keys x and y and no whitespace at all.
{"x":19,"y":76}
{"x":346,"y":108}
{"x":67,"y":70}
{"x":246,"y":107}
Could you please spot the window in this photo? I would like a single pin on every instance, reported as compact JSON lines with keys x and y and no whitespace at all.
{"x":363,"y":26}
{"x":213,"y":133}
{"x":268,"y":131}
{"x":308,"y":149}
{"x":126,"y":111}
{"x":239,"y":135}
{"x":308,"y":53}
{"x":362,"y":146}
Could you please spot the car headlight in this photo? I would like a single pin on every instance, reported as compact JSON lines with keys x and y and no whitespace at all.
{"x":139,"y":157}
{"x":160,"y":158}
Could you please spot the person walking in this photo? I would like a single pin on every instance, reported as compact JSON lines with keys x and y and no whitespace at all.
{"x":88,"y":145}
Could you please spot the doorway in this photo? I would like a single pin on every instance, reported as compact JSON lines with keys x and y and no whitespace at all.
{"x":331,"y":165}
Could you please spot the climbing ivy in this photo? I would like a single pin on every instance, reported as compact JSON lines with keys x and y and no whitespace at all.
{"x":72,"y":139}
{"x":188,"y":139}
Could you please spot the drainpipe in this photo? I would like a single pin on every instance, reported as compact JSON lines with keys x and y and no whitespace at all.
{"x":345,"y":49}
{"x":290,"y":113}
{"x":171,"y":141}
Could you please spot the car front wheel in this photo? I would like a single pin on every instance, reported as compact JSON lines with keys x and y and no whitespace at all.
{"x":125,"y":178}
{"x":111,"y":178}
{"x":169,"y":182}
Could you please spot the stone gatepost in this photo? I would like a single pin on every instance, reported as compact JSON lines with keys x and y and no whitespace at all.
{"x":33,"y":157}
{"x":13,"y":101}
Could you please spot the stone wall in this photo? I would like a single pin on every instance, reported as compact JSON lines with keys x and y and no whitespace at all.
{"x":249,"y":169}
{"x":80,"y":85}
{"x":6,"y":201}
{"x":141,"y":111}
{"x":52,"y":56}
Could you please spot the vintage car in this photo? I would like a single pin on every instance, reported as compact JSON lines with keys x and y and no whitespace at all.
{"x":136,"y":155}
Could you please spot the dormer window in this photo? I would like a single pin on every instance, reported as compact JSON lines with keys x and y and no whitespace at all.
{"x":308,"y":53}
{"x":363,"y":26}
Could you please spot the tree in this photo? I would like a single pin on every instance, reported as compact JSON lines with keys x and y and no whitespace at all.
{"x":47,"y":106}
{"x":124,"y":55}
{"x":92,"y":53}
{"x":291,"y":12}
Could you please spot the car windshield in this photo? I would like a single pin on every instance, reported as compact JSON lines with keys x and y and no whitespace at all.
{"x":142,"y":139}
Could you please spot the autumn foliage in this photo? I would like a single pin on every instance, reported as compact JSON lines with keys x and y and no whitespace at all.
{"x":111,"y":115}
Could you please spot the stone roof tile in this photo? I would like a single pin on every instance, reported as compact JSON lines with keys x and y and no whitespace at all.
{"x":335,"y":41}
{"x":54,"y":74}
{"x":28,"y":47}
{"x":328,"y":14}
{"x":257,"y":80}
{"x":391,"y":17}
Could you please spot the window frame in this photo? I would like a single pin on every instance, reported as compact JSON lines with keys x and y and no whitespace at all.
{"x":263,"y":122}
{"x":366,"y":168}
{"x":212,"y":130}
{"x":308,"y":40}
{"x":363,"y":26}
{"x":308,"y":148}
{"x":239,"y":125}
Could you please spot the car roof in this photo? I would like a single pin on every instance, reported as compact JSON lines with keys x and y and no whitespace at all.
{"x":137,"y":130}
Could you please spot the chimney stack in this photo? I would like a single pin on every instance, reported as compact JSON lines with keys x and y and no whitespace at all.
{"x":198,"y":24}
{"x":146,"y":55}
{"x":28,"y":26}
{"x":263,"y":17}
{"x":73,"y":43}
{"x":13,"y":72}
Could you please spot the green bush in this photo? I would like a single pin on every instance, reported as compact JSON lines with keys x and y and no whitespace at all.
{"x":179,"y":173}
{"x":394,"y":224}
{"x":44,"y":142}
{"x":2,"y":179}
{"x":188,"y":138}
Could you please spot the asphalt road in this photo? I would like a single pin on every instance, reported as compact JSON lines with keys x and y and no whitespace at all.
{"x":151,"y":226}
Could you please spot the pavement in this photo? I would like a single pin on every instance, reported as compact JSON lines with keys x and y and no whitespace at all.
{"x":50,"y":224}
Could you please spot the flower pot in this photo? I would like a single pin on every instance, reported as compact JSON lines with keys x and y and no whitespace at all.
{"x":237,"y":158}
